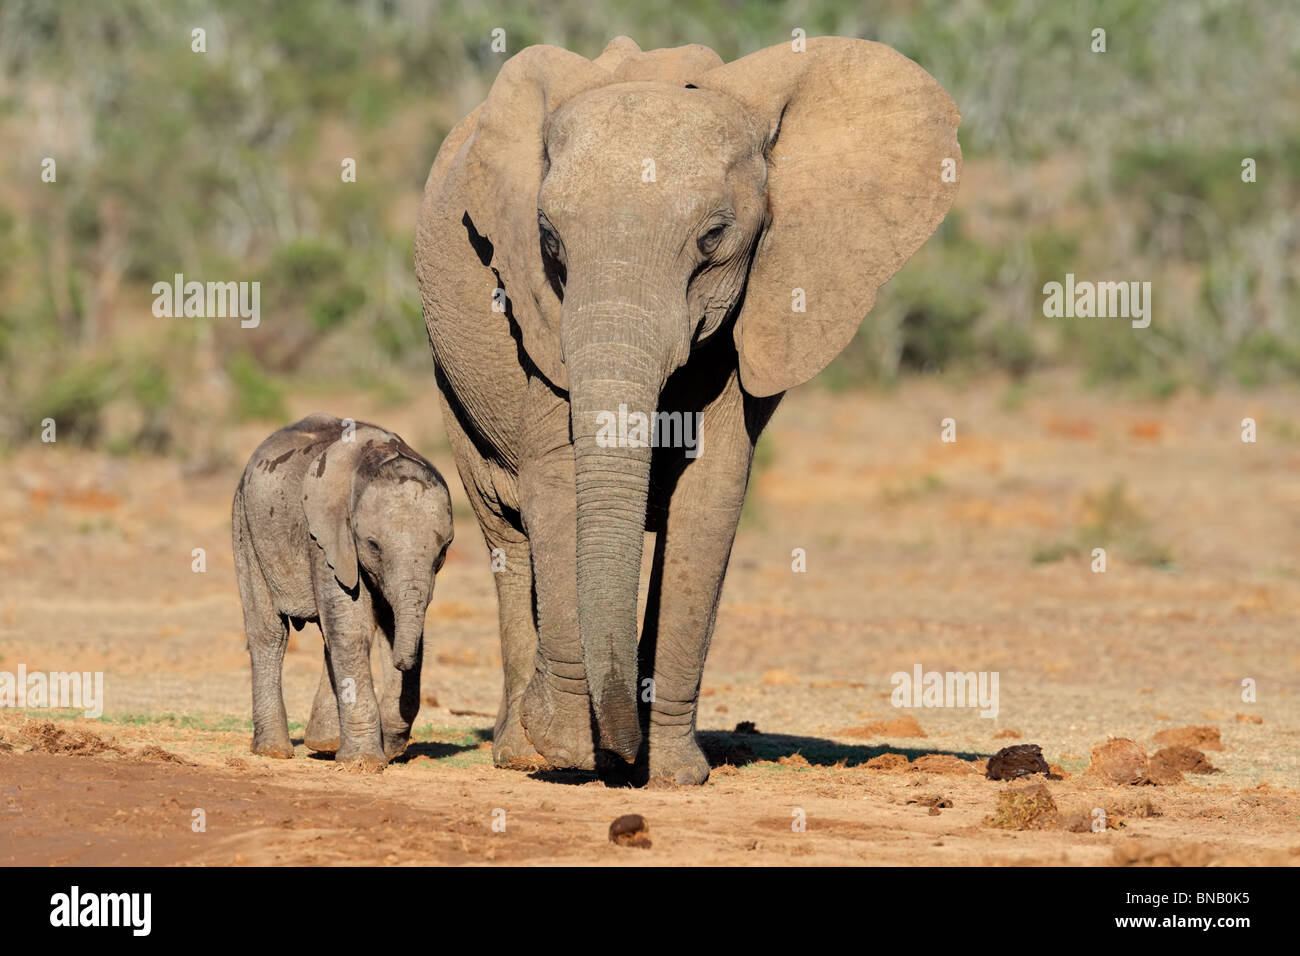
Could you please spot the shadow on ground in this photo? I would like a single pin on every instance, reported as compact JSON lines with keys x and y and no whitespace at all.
{"x":740,"y":749}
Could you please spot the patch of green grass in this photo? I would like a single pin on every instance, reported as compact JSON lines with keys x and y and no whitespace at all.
{"x":1153,"y":554}
{"x":104,"y":524}
{"x":1111,"y":520}
{"x":1056,"y":551}
{"x":927,"y":484}
{"x":1013,"y":397}
{"x":217,"y":723}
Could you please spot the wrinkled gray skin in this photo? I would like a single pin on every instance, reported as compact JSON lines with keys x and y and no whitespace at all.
{"x":348,"y":534}
{"x":785,"y":179}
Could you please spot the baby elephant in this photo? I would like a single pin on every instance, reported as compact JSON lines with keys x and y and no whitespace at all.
{"x":341,"y":523}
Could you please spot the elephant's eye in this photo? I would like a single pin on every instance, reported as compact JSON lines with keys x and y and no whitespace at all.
{"x":709,"y":241}
{"x":550,"y":241}
{"x":373,"y":545}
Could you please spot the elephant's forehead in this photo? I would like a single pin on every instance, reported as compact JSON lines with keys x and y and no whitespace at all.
{"x":617,"y":129}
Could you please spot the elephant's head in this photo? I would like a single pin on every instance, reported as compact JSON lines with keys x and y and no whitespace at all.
{"x":640,"y":203}
{"x":378,"y":509}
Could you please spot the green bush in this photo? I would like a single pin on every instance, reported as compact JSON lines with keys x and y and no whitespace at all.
{"x":256,"y":396}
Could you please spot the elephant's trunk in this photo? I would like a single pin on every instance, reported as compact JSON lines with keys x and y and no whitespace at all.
{"x":616,"y":368}
{"x":408,"y":626}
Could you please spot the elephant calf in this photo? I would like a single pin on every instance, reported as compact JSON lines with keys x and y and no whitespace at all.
{"x":340,"y":523}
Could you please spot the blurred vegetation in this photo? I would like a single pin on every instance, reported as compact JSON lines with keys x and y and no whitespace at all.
{"x":1111,"y":519}
{"x":226,"y":166}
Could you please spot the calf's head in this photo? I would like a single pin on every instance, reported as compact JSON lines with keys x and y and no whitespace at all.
{"x":380,"y":511}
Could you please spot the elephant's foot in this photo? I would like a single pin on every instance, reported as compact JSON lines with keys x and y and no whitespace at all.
{"x":361,"y":761}
{"x":322,"y":735}
{"x":321,"y":745}
{"x":395,"y":744}
{"x":677,"y":757}
{"x":266,"y":744}
{"x":511,"y":747}
{"x":558,"y":725}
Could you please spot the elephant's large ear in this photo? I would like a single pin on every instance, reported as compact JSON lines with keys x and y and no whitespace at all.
{"x":675,"y":65}
{"x":616,"y":51}
{"x":861,"y":138}
{"x":327,"y":497}
{"x":487,"y":195}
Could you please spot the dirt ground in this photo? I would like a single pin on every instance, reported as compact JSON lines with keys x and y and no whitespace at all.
{"x":975,"y":555}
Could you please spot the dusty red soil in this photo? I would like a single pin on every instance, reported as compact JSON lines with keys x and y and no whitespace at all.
{"x":973,"y":556}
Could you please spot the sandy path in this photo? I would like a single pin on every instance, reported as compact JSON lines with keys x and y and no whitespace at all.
{"x":973,"y":556}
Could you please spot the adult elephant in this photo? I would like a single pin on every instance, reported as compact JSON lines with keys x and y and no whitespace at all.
{"x":653,"y":232}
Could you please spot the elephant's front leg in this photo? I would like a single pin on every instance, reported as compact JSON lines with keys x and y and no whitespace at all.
{"x":556,"y":705}
{"x":348,"y":625}
{"x":691,"y":553}
{"x":399,"y":702}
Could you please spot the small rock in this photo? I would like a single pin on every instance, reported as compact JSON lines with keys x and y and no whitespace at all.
{"x":934,"y":801}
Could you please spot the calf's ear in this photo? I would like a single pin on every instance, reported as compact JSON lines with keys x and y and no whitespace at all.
{"x":328,"y":492}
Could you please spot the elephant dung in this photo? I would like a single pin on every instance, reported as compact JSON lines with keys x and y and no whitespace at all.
{"x":1204,"y":737}
{"x":1025,"y":808}
{"x":630,"y":830}
{"x":1009,"y":763}
{"x":1181,"y":760}
{"x":1120,"y":760}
